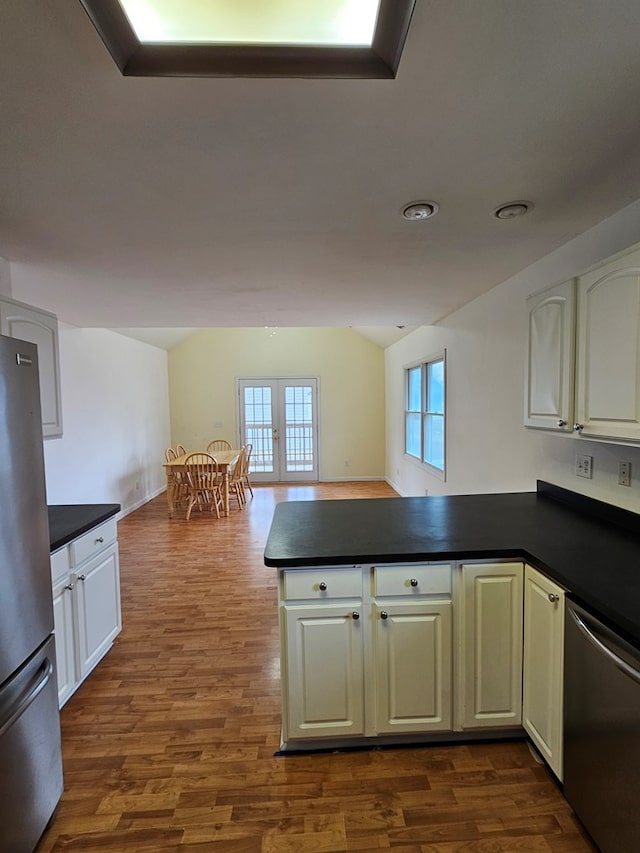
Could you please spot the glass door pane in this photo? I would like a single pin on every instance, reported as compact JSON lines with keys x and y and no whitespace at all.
{"x":258,"y":427}
{"x":279,"y":418}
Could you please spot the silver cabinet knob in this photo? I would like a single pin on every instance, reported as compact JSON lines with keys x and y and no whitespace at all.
{"x":355,"y":615}
{"x":384,"y":614}
{"x":578,"y":427}
{"x":82,"y":577}
{"x":322,"y":586}
{"x":553,"y":597}
{"x":561,"y":422}
{"x":414,"y":582}
{"x":100,"y":539}
{"x":68,"y":586}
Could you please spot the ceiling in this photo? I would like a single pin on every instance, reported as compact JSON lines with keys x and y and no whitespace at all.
{"x":141,"y":203}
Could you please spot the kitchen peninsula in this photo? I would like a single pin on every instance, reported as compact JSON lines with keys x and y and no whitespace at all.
{"x":405,"y":616}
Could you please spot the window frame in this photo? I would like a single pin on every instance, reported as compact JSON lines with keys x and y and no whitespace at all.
{"x":424,"y":413}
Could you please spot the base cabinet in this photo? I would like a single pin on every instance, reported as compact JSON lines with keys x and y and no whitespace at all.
{"x":490,"y":644}
{"x":413,"y":666}
{"x":325,"y":665}
{"x":366,"y":651}
{"x":543,"y":666}
{"x":86,"y":604}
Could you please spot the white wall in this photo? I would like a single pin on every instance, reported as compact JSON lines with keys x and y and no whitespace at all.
{"x":488,"y":448}
{"x":5,"y":277}
{"x":115,"y":407}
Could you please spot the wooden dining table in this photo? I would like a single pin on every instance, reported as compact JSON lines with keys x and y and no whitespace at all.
{"x":225,"y":459}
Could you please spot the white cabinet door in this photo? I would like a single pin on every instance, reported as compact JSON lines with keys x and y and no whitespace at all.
{"x":40,"y":328}
{"x":98,"y":607}
{"x":63,"y":625}
{"x":490,"y":650}
{"x":549,"y":380}
{"x":608,"y":375}
{"x":413,"y":666}
{"x":323,"y":674}
{"x":543,"y":666}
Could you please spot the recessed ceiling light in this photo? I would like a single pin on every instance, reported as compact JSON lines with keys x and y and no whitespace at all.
{"x":420,"y":210}
{"x":512,"y":209}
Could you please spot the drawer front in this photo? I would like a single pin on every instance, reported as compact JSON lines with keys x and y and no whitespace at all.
{"x":93,"y":541}
{"x":323,"y":583}
{"x":413,"y":579}
{"x":60,"y":563}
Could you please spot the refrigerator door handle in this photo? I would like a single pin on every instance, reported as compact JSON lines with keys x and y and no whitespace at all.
{"x":603,"y":648}
{"x":18,"y":708}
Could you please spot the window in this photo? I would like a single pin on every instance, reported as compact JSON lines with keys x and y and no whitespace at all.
{"x":424,"y":415}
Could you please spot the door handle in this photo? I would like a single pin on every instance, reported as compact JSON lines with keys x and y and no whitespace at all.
{"x":275,"y":435}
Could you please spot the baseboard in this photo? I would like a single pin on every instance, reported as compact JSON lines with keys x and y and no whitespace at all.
{"x":126,"y":510}
{"x":372,"y":479}
{"x":395,"y":487}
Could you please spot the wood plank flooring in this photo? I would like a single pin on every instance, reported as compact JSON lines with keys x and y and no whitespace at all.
{"x":169,"y":745}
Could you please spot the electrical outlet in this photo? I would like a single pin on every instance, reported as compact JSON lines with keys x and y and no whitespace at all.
{"x":624,"y":473}
{"x":584,"y":466}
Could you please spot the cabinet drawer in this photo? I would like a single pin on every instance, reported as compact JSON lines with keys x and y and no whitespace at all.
{"x":413,"y":579}
{"x":323,"y":583}
{"x":59,"y":563}
{"x":92,"y":541}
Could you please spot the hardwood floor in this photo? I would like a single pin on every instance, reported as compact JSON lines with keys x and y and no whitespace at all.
{"x":169,"y":744}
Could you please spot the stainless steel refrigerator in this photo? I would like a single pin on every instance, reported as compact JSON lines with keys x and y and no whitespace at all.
{"x":30,"y":755}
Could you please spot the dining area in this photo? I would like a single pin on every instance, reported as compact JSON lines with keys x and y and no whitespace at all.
{"x":207,"y":480}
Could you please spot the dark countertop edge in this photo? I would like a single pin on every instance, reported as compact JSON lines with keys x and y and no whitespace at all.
{"x":68,"y":521}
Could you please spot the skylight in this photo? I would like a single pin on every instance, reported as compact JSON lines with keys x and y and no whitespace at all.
{"x":299,"y":22}
{"x":253,"y":38}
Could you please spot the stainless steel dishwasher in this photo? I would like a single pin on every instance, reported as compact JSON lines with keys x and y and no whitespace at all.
{"x":602,"y":731}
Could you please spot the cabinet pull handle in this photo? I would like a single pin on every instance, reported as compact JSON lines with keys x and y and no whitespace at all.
{"x":578,"y":427}
{"x":322,"y":586}
{"x":355,"y":615}
{"x":100,"y":539}
{"x":68,"y":586}
{"x":82,"y":577}
{"x":553,"y":597}
{"x":561,"y":422}
{"x":414,"y":582}
{"x":384,"y":614}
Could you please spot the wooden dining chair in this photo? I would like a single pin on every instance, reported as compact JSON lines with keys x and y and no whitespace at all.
{"x":180,"y":450}
{"x":246,"y":479}
{"x":236,"y":487}
{"x":203,"y":482}
{"x":218,"y":444}
{"x":170,"y":454}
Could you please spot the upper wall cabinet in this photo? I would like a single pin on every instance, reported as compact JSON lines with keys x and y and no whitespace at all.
{"x":608,"y":368}
{"x":40,"y":328}
{"x":583,"y":367}
{"x":548,"y":398}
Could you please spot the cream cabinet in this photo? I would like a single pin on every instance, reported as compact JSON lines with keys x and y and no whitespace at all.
{"x":86,"y":604}
{"x":324,"y":676}
{"x":488,"y":601}
{"x":543,"y":666}
{"x":366,"y":651}
{"x":551,"y":356}
{"x":413,"y":666}
{"x":41,"y":328}
{"x":608,"y":366}
{"x":583,"y":359}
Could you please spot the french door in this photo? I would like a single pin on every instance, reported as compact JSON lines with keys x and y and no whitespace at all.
{"x":279,"y":418}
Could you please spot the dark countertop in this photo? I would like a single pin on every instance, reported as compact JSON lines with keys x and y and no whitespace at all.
{"x":597,"y":560}
{"x":68,"y":521}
